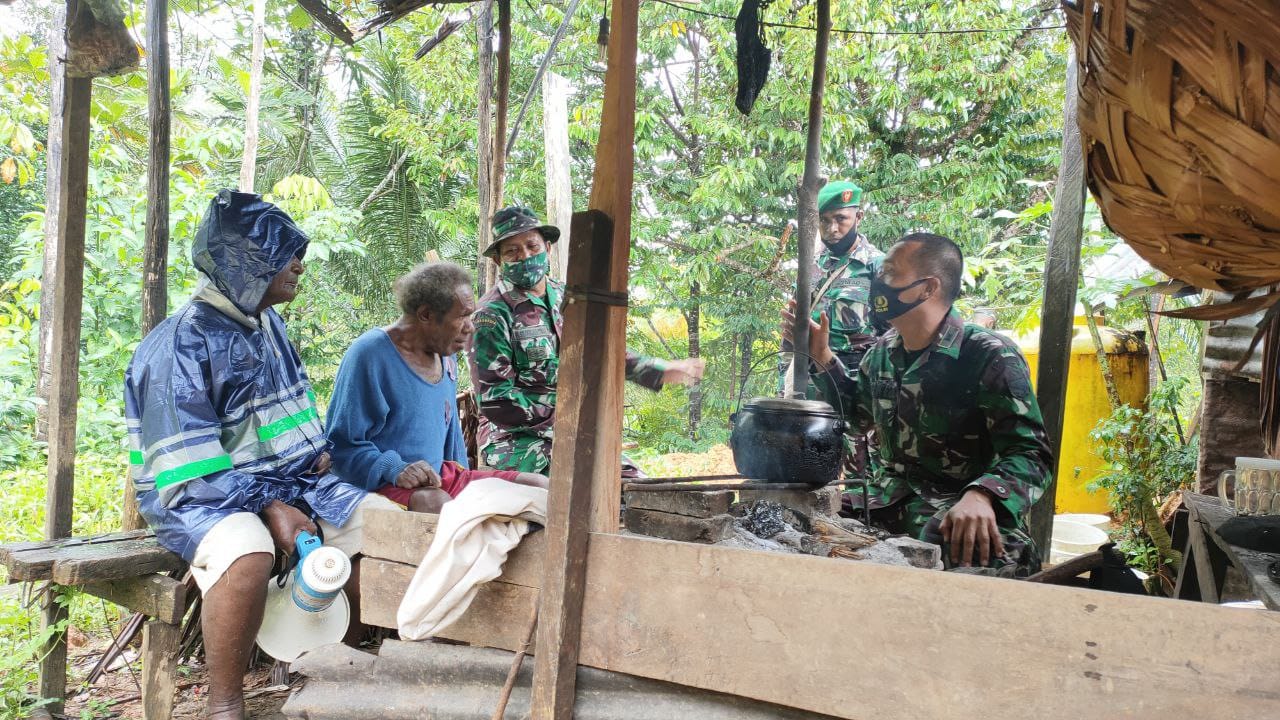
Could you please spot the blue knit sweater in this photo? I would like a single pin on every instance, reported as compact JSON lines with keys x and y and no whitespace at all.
{"x":384,"y":416}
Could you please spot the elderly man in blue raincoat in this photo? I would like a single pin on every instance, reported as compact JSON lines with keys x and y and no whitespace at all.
{"x":229,"y":454}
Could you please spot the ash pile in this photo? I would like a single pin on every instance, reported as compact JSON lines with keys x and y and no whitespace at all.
{"x":803,"y":522}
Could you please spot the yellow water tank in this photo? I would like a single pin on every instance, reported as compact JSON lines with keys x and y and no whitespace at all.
{"x":1087,"y":403}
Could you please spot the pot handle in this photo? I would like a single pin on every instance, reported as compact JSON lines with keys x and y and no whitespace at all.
{"x":743,"y":387}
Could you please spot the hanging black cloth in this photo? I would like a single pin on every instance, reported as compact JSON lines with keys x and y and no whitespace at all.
{"x":753,"y":55}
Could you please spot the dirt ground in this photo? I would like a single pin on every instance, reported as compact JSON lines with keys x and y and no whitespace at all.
{"x":118,"y":693}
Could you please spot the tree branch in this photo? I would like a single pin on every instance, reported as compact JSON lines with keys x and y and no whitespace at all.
{"x":727,"y":262}
{"x":386,"y":181}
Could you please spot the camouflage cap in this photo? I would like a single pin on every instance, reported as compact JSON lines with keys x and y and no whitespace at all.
{"x":838,"y":194}
{"x":513,"y":220}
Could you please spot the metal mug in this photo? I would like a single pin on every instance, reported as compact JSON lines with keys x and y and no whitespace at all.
{"x":1256,"y":484}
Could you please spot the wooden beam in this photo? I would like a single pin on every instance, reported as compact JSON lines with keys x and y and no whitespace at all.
{"x":555,"y":128}
{"x":1061,"y":277}
{"x":586,"y":464}
{"x":699,"y":615}
{"x":807,"y":212}
{"x":155,"y":248}
{"x":158,"y":596}
{"x":64,"y":354}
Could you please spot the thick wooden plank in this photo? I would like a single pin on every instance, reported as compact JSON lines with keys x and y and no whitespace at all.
{"x":701,"y":616}
{"x":1061,"y":276}
{"x":397,"y":535}
{"x":160,"y":641}
{"x":113,"y":561}
{"x":404,"y":537}
{"x":157,"y":596}
{"x":493,"y":620}
{"x":31,"y":561}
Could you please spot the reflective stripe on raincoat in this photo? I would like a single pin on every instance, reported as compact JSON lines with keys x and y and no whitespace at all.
{"x":221,"y":416}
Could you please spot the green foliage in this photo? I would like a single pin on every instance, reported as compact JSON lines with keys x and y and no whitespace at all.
{"x":1145,"y":462}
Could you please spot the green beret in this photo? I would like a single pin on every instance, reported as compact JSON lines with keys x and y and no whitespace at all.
{"x":838,"y":194}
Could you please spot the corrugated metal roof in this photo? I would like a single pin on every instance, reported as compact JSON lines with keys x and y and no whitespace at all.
{"x":1225,"y":343}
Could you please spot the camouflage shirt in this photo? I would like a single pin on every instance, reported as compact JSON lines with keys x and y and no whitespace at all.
{"x":847,"y":301}
{"x":514,"y":359}
{"x":960,"y":414}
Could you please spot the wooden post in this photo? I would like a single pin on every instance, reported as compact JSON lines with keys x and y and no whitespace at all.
{"x":1061,"y":277}
{"x":53,"y":185}
{"x":555,"y":125}
{"x":586,"y":464}
{"x":155,"y":251}
{"x":64,"y":353}
{"x":484,"y":143}
{"x":160,"y":641}
{"x":807,"y":212}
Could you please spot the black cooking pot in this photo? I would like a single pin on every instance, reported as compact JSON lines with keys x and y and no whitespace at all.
{"x":781,"y":440}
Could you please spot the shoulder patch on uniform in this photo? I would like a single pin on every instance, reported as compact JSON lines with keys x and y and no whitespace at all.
{"x":482,"y":319}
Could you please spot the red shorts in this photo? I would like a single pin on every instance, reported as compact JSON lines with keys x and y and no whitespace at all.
{"x":453,"y":478}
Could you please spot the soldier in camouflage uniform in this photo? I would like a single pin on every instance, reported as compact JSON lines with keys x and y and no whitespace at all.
{"x":841,"y":288}
{"x":514,"y":354}
{"x":961,"y":448}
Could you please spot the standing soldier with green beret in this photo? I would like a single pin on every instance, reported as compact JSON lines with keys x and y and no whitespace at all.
{"x":515,"y":351}
{"x":841,"y":286}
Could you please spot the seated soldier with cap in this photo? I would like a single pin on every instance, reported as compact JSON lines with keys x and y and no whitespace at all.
{"x":515,"y":351}
{"x":961,"y":451}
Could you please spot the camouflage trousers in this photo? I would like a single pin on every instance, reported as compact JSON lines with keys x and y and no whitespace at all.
{"x":532,"y":454}
{"x":922,"y":520}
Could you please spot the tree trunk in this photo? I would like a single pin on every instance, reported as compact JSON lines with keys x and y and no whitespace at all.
{"x":498,"y":155}
{"x":555,"y":124}
{"x":694,"y":318}
{"x":1108,"y":379}
{"x":807,"y":212}
{"x":748,"y":342}
{"x":53,"y":183}
{"x":155,"y":251}
{"x":249,"y":163}
{"x":484,"y":142}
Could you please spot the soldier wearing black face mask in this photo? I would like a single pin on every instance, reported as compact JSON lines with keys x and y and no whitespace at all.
{"x":961,"y":453}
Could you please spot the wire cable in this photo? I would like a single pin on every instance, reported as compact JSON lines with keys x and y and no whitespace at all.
{"x":842,"y":31}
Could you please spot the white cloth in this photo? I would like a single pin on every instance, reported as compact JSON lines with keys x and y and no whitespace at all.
{"x":235,"y":536}
{"x":475,"y":532}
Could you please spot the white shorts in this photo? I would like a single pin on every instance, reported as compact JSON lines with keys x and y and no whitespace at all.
{"x":244,"y":533}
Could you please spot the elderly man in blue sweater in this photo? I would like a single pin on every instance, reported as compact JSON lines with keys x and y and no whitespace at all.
{"x":393,"y":419}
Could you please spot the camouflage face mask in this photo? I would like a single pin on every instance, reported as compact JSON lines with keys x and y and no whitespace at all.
{"x":526,"y":273}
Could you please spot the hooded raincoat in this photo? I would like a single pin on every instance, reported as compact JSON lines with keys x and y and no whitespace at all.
{"x":221,"y":416}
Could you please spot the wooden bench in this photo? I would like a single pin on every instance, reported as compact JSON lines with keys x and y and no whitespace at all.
{"x":129,"y":569}
{"x":1206,"y":556}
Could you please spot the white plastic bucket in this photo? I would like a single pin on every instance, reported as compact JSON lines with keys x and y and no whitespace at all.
{"x":1102,"y":522}
{"x":1075,"y":537}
